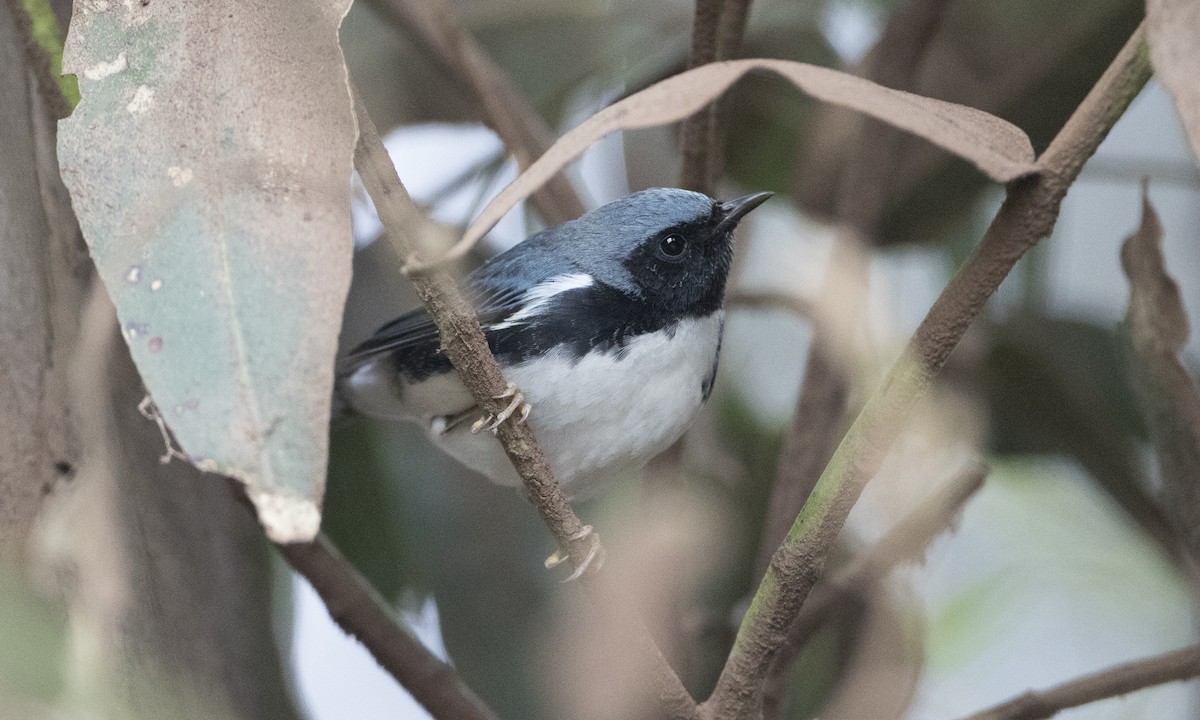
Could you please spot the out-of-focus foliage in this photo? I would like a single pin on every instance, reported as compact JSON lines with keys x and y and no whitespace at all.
{"x":1027,"y":61}
{"x":1155,"y":330}
{"x":1042,"y":378}
{"x":33,"y":631}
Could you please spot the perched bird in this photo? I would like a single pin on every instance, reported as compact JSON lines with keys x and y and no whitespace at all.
{"x":607,"y":327}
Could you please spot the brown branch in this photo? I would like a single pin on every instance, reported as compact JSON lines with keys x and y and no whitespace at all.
{"x":1118,"y":680}
{"x":466,"y":347}
{"x":504,"y":108}
{"x":698,"y":171}
{"x":907,"y":540}
{"x":1028,"y":215}
{"x":360,"y":611}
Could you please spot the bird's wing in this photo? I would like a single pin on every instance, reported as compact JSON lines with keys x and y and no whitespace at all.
{"x":493,"y":304}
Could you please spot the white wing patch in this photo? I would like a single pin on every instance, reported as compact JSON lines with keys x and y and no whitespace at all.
{"x":538,"y":296}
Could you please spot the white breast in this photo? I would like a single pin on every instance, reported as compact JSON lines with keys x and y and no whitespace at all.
{"x":606,"y":411}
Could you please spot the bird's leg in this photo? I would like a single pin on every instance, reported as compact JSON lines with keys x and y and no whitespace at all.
{"x":518,"y":405}
{"x":594,"y":560}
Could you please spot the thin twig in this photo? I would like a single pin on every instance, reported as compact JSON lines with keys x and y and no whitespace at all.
{"x":1118,"y":680}
{"x":466,"y":347}
{"x":698,"y":171}
{"x":1028,"y":215}
{"x":504,"y":108}
{"x":908,"y":539}
{"x":360,"y":611}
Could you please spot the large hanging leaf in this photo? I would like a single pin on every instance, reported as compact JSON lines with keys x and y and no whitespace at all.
{"x":1156,"y":328}
{"x":997,"y":148}
{"x":209,"y":163}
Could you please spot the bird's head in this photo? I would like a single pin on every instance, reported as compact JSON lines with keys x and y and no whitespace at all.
{"x":668,"y":246}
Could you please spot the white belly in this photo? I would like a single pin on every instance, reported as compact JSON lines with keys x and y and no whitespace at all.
{"x":604,"y":413}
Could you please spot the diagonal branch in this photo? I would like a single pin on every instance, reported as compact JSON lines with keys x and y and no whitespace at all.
{"x":466,"y":347}
{"x":1118,"y":680}
{"x":504,"y":108}
{"x":359,"y":610}
{"x":1028,"y":215}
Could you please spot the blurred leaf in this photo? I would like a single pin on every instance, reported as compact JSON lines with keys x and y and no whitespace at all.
{"x":362,"y":512}
{"x":33,"y":631}
{"x":995,"y":147}
{"x":399,"y":79}
{"x":48,"y":36}
{"x":208,"y":162}
{"x":1056,"y":386}
{"x":1027,"y":61}
{"x":763,"y":118}
{"x":1173,"y":26}
{"x":885,"y":664}
{"x":1156,"y":328}
{"x":822,"y":663}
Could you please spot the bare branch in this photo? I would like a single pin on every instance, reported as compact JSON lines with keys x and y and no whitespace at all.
{"x":1028,"y":215}
{"x":504,"y":108}
{"x":360,"y":611}
{"x":698,"y":171}
{"x":1118,"y":680}
{"x":467,"y":349}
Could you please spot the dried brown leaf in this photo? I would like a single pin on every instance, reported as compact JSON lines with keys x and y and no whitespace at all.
{"x":996,"y":147}
{"x":1174,"y":27}
{"x":1156,"y":330}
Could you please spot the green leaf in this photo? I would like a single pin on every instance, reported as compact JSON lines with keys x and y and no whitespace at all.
{"x":209,"y":164}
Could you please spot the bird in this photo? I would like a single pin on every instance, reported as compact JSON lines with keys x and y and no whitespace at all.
{"x":607,"y":329}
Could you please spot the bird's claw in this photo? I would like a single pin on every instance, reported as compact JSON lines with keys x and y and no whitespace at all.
{"x":593,"y":562}
{"x":518,"y":406}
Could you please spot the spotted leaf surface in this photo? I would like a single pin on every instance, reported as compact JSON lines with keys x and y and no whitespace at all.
{"x":209,"y":163}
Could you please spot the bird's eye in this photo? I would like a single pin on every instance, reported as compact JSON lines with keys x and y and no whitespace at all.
{"x":672,"y":247}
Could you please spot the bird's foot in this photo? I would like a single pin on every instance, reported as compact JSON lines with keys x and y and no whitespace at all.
{"x":593,"y":562}
{"x":517,"y":407}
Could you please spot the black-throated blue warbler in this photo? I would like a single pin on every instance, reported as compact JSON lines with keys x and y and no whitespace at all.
{"x":607,"y":327}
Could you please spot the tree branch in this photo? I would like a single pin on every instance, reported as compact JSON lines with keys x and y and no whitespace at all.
{"x":360,"y":611}
{"x":1118,"y":680}
{"x":1028,"y":214}
{"x":466,"y":347}
{"x":504,"y":108}
{"x":698,"y":171}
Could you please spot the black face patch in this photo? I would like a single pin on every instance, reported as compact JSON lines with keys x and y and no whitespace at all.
{"x":682,"y":270}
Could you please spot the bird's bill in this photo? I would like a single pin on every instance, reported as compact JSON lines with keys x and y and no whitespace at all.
{"x":737,"y":208}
